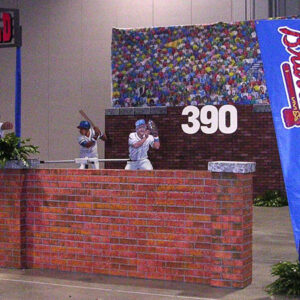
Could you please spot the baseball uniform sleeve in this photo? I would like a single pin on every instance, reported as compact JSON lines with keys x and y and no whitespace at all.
{"x":82,"y":140}
{"x":151,"y":140}
{"x":132,"y":139}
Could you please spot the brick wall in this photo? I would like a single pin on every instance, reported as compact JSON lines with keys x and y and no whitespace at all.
{"x":12,"y":219}
{"x":253,"y":141}
{"x":192,"y":226}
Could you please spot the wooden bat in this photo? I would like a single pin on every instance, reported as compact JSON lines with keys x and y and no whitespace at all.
{"x":104,"y":136}
{"x":85,"y":116}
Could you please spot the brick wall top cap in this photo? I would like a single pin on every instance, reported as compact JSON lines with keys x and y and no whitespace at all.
{"x":112,"y":112}
{"x":232,"y":167}
{"x":261,"y":108}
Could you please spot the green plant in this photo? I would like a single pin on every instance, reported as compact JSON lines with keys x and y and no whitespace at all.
{"x":288,"y":282}
{"x":271,"y":199}
{"x":14,"y":148}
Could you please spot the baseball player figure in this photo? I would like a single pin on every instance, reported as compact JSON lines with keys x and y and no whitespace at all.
{"x":88,"y":142}
{"x":139,"y":143}
{"x":5,"y":126}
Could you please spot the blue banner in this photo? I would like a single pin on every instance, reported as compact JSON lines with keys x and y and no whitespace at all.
{"x":279,"y":42}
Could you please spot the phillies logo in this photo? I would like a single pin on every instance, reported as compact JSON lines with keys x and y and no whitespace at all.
{"x":291,"y":77}
{"x":6,"y":30}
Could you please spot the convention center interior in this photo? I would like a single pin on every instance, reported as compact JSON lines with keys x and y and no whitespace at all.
{"x":149,"y":149}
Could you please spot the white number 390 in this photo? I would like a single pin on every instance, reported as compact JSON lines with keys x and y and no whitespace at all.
{"x":210,"y":119}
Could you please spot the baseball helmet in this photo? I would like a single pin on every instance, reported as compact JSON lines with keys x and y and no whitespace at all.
{"x":139,"y":123}
{"x":84,"y":125}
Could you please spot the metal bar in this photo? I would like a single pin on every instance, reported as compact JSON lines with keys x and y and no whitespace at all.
{"x":113,"y":159}
{"x":18,"y":93}
{"x":56,"y":161}
{"x":73,"y":161}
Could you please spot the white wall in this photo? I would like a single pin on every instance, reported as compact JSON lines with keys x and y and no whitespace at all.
{"x":261,"y":9}
{"x":292,"y":7}
{"x":66,"y":59}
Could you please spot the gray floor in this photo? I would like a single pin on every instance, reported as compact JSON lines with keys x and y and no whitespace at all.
{"x":273,"y":241}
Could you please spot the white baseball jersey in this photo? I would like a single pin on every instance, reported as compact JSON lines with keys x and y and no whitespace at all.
{"x":1,"y":131}
{"x":141,"y":152}
{"x":84,"y":151}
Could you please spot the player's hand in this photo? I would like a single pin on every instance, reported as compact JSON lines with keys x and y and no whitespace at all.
{"x":7,"y":126}
{"x":154,"y":133}
{"x":104,"y":137}
{"x":97,"y":131}
{"x":146,"y":134}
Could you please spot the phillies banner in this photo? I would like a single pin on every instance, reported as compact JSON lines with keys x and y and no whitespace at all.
{"x":279,"y":42}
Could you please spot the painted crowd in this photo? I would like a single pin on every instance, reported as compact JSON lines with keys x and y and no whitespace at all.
{"x":187,"y":65}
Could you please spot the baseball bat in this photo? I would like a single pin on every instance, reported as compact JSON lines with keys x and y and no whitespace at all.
{"x":104,"y":136}
{"x":85,"y":116}
{"x":291,"y":115}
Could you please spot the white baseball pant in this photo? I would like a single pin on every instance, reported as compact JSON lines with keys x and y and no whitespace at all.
{"x":143,"y":164}
{"x":95,"y":166}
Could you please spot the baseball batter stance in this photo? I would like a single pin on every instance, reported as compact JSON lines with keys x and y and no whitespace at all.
{"x":5,"y":126}
{"x":88,"y":142}
{"x":139,"y":143}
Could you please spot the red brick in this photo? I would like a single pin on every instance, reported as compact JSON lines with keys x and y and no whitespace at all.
{"x":157,"y":224}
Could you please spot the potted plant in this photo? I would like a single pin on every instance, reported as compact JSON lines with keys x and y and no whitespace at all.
{"x":271,"y":199}
{"x":288,"y":281}
{"x":15,"y":152}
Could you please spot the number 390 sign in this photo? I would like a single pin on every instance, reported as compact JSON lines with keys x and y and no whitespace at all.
{"x":209,"y":119}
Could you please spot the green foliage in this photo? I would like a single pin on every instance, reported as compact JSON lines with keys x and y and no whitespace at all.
{"x":13,"y":148}
{"x":271,"y":199}
{"x":288,"y":282}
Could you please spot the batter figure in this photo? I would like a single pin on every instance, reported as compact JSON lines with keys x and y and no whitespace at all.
{"x":139,"y":143}
{"x":88,"y":142}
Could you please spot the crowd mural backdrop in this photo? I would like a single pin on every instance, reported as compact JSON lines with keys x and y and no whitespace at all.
{"x":187,"y":65}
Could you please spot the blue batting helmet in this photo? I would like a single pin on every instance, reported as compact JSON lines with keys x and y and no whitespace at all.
{"x":139,"y":123}
{"x":84,"y":125}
